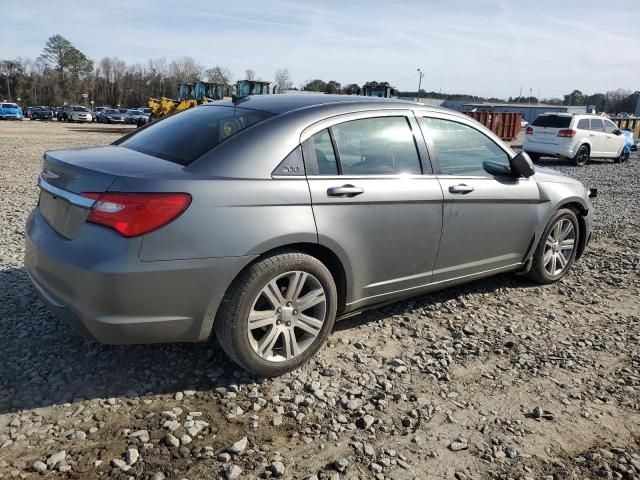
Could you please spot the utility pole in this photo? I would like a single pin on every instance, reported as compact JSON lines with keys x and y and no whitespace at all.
{"x":530,"y":94}
{"x":420,"y":75}
{"x":520,"y":96}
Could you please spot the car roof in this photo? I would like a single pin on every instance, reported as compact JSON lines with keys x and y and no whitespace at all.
{"x":284,"y":103}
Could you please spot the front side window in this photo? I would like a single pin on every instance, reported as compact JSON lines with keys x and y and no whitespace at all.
{"x":377,"y":146}
{"x":609,"y":126}
{"x":461,"y":149}
{"x":597,"y":125}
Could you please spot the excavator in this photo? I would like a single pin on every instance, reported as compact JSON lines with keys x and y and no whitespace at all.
{"x":193,"y":94}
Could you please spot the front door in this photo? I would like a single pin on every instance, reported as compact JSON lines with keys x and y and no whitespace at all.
{"x":488,"y":222}
{"x":372,"y":203}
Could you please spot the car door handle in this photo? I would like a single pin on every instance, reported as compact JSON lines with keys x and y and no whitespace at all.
{"x":344,"y":191}
{"x":462,"y":188}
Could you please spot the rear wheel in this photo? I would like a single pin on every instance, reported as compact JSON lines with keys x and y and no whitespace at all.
{"x":557,"y":248}
{"x":582,"y":156}
{"x":278,"y":313}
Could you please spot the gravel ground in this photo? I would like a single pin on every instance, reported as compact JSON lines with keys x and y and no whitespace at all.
{"x":495,"y":379}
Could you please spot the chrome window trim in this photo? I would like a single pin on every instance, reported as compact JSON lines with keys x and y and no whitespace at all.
{"x":70,"y":197}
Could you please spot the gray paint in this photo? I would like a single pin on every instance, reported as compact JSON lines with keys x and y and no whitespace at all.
{"x":402,"y":236}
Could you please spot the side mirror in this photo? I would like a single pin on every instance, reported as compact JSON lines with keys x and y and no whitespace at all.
{"x":617,"y":131}
{"x":522,"y":165}
{"x":496,"y":169}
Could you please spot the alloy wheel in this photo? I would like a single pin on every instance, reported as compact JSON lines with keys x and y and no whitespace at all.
{"x":559,"y":247}
{"x":287,"y":316}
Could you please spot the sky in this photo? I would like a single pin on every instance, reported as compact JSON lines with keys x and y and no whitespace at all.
{"x":489,"y":48}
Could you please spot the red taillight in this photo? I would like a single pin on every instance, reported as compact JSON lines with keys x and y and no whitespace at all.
{"x":529,"y":131}
{"x":567,"y":133}
{"x":133,"y":214}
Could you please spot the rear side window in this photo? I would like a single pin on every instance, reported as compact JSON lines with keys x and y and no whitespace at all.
{"x":377,"y":146}
{"x":583,"y":124}
{"x":597,"y":125}
{"x":552,"y":121}
{"x":319,"y":156}
{"x":183,"y":137}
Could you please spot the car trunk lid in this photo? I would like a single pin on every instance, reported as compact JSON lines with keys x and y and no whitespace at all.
{"x":67,"y":174}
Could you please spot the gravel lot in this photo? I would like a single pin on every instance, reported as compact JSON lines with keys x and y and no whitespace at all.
{"x":496,"y":379}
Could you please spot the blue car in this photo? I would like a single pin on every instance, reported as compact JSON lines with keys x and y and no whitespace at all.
{"x":10,"y":111}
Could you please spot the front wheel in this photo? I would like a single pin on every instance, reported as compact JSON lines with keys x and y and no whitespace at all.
{"x":582,"y":156}
{"x":278,"y":313}
{"x":557,"y":248}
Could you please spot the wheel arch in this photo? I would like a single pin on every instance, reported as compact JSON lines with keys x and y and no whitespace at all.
{"x":320,"y":252}
{"x":581,"y":212}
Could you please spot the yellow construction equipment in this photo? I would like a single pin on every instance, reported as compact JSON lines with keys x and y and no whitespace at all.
{"x":193,"y":94}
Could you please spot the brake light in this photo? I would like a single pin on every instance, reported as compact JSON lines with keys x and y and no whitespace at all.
{"x":529,"y":131}
{"x":133,"y":214}
{"x":567,"y":133}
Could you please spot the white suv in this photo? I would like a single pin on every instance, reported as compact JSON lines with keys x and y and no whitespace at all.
{"x":576,"y":137}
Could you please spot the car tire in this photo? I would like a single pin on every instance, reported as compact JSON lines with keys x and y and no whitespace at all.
{"x":555,"y":241}
{"x":269,"y":349}
{"x":623,"y":157}
{"x":581,"y":157}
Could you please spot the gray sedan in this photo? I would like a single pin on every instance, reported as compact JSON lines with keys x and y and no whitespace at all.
{"x":265,"y":218}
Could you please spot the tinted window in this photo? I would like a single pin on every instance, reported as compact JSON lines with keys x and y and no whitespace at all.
{"x":461,"y":149}
{"x":319,"y":157}
{"x":376,"y":146}
{"x":583,"y":124}
{"x":183,"y":137}
{"x":609,"y":126}
{"x":292,"y":165}
{"x":553,"y":121}
{"x":597,"y":124}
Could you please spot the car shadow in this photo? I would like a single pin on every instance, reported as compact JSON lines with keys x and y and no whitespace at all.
{"x":557,"y":162}
{"x":44,"y":362}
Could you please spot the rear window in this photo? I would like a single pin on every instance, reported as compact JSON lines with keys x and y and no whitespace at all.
{"x":552,"y":121}
{"x":9,"y":105}
{"x":183,"y":137}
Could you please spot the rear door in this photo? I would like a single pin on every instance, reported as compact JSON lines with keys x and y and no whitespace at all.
{"x":488,"y":221}
{"x":372,"y":202}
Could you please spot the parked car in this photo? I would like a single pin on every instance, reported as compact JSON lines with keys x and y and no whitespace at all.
{"x":40,"y":113}
{"x":575,"y":137}
{"x":79,"y":114}
{"x":97,"y":111}
{"x":10,"y":111}
{"x":264,"y":219}
{"x":133,"y":116}
{"x":110,"y":115}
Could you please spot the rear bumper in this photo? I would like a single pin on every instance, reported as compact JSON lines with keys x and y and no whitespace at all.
{"x":552,"y":149}
{"x":97,"y":284}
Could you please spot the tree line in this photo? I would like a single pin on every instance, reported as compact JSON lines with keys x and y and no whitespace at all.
{"x":62,"y":73}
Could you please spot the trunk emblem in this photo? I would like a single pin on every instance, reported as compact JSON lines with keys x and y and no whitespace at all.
{"x":49,"y":175}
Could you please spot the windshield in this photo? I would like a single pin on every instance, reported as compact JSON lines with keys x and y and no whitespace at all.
{"x":183,"y":137}
{"x":9,"y":105}
{"x":80,"y":109}
{"x":110,"y":111}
